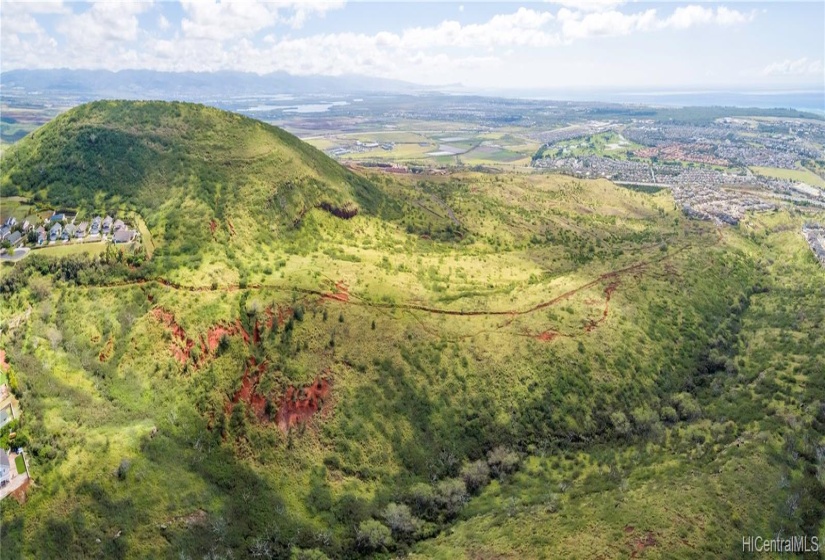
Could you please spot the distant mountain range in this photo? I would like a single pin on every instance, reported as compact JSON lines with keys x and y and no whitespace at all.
{"x":142,"y":84}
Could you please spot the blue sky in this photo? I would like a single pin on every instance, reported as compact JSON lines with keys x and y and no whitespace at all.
{"x":559,"y":44}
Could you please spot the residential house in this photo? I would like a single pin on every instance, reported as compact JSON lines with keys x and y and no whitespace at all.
{"x":107,"y":224}
{"x":95,"y":228}
{"x":80,"y":232}
{"x":123,"y":236}
{"x":118,"y":225}
{"x":69,"y":231}
{"x":55,"y":232}
{"x":11,"y":222}
{"x":5,"y":231}
{"x":57,"y":218}
{"x":6,"y":415}
{"x":31,"y":222}
{"x":16,"y":239}
{"x":41,"y":235}
{"x":5,"y":467}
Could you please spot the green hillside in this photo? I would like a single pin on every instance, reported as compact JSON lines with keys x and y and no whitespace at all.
{"x":473,"y":366}
{"x":203,"y":179}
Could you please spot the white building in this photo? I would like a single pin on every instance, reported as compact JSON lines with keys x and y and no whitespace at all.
{"x":5,"y":467}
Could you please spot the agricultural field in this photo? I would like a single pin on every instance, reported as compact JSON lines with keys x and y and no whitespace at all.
{"x":434,"y":147}
{"x":314,"y":363}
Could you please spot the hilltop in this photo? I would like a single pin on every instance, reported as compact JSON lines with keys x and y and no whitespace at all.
{"x":199,"y":176}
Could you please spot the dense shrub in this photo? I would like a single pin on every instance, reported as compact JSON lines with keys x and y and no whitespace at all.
{"x":451,"y":496}
{"x":502,"y":461}
{"x":373,"y":535}
{"x":476,"y":475}
{"x":400,"y":520}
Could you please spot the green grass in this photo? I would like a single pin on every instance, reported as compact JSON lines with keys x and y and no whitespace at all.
{"x":20,"y":464}
{"x":800,"y":174}
{"x":62,"y":250}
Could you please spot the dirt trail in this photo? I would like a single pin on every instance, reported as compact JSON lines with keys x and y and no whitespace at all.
{"x":352,"y":300}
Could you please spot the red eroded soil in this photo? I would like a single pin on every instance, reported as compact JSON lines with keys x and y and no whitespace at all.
{"x":640,"y":544}
{"x":213,"y":225}
{"x":241,"y":330}
{"x":214,"y":335}
{"x":3,"y":364}
{"x":106,"y":352}
{"x":300,"y":404}
{"x":547,"y":336}
{"x":281,"y":313}
{"x":340,"y":293}
{"x":181,"y":344}
{"x":248,"y":391}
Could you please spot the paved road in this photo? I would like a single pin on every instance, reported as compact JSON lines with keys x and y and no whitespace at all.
{"x":16,"y":256}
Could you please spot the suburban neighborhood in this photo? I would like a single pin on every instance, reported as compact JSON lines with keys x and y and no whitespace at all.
{"x":60,"y":228}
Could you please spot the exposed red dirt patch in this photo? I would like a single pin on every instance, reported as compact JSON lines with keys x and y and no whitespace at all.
{"x":213,"y":225}
{"x":547,"y":336}
{"x":256,"y":333}
{"x":248,"y":392}
{"x":4,"y":365}
{"x":640,"y":544}
{"x":299,"y":404}
{"x":281,"y":314}
{"x":242,"y":330}
{"x":214,"y":335}
{"x":340,"y":293}
{"x":20,"y":493}
{"x":107,"y":350}
{"x":181,"y":345}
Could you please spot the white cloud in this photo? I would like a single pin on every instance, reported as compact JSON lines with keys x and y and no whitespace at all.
{"x":575,"y":25}
{"x":524,"y":27}
{"x":580,"y":24}
{"x":103,"y":23}
{"x":589,"y":5}
{"x":237,"y":18}
{"x":800,"y":67}
{"x":688,"y":16}
{"x":163,"y":23}
{"x":18,"y":17}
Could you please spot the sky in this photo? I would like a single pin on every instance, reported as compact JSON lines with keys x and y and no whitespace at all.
{"x":557,"y":44}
